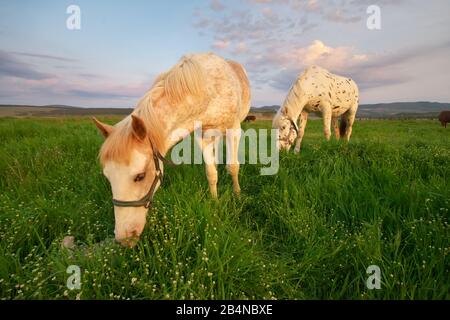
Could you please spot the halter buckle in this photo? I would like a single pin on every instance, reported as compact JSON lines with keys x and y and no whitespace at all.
{"x":148,"y":204}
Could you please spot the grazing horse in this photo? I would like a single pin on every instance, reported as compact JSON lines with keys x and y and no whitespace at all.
{"x":444,"y":117}
{"x":321,"y":92}
{"x":199,"y":88}
{"x":250,"y":118}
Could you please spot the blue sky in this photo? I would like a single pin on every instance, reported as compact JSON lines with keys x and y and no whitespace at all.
{"x":123,"y":45}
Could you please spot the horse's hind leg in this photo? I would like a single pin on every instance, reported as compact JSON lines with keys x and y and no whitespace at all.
{"x":233,"y":138}
{"x":337,"y":133}
{"x":301,"y":131}
{"x":350,"y":117}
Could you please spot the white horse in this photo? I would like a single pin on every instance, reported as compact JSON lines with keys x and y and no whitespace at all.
{"x":318,"y":91}
{"x":200,"y":87}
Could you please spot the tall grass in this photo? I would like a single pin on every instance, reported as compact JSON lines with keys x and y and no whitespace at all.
{"x":309,"y":232}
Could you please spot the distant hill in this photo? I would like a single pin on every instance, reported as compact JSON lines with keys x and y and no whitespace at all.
{"x":270,"y":109}
{"x":58,"y":111}
{"x":401,"y":110}
{"x":420,"y":109}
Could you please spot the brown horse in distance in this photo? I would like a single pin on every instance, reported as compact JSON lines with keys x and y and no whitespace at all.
{"x":250,"y":118}
{"x":444,"y":117}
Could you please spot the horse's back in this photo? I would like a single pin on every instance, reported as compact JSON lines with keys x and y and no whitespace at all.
{"x":321,"y":86}
{"x":227,"y":85}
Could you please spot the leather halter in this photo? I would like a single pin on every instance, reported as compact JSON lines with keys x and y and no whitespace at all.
{"x":147,"y":200}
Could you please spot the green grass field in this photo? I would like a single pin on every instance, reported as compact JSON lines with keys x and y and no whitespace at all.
{"x":308,"y":232}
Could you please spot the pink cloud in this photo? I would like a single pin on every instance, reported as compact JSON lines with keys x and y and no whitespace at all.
{"x":240,"y":48}
{"x":216,"y":5}
{"x":221,"y":44}
{"x":267,"y":12}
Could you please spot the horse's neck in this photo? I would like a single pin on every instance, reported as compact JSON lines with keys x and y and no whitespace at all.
{"x":169,"y":124}
{"x":292,"y":111}
{"x":294,"y":103}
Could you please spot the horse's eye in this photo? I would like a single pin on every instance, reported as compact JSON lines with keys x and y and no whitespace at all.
{"x":139,"y":177}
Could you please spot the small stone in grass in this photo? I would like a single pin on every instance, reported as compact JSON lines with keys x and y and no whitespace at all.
{"x":68,"y":242}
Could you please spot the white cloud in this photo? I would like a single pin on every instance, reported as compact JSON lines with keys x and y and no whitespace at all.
{"x":318,"y":53}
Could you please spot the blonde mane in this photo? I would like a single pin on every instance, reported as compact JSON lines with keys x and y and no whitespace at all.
{"x":185,"y":79}
{"x":293,"y":100}
{"x":182,"y":84}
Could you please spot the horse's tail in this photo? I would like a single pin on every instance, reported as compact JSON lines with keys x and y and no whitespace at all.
{"x":185,"y":79}
{"x":343,"y":126}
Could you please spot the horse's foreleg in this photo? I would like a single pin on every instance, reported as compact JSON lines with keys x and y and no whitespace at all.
{"x":337,"y":133}
{"x":233,"y":138}
{"x":327,"y":114}
{"x":301,"y":131}
{"x":207,"y":146}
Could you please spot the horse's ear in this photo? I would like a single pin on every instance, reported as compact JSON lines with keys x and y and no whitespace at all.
{"x":105,"y":129}
{"x":139,"y":129}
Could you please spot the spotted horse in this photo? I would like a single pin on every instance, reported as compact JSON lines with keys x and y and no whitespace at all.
{"x":319,"y":91}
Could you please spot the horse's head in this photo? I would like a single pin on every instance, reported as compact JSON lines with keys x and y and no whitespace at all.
{"x":131,"y":164}
{"x":287,"y":130}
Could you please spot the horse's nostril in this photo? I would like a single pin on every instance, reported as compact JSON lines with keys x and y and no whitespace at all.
{"x":130,"y":240}
{"x":133,"y":234}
